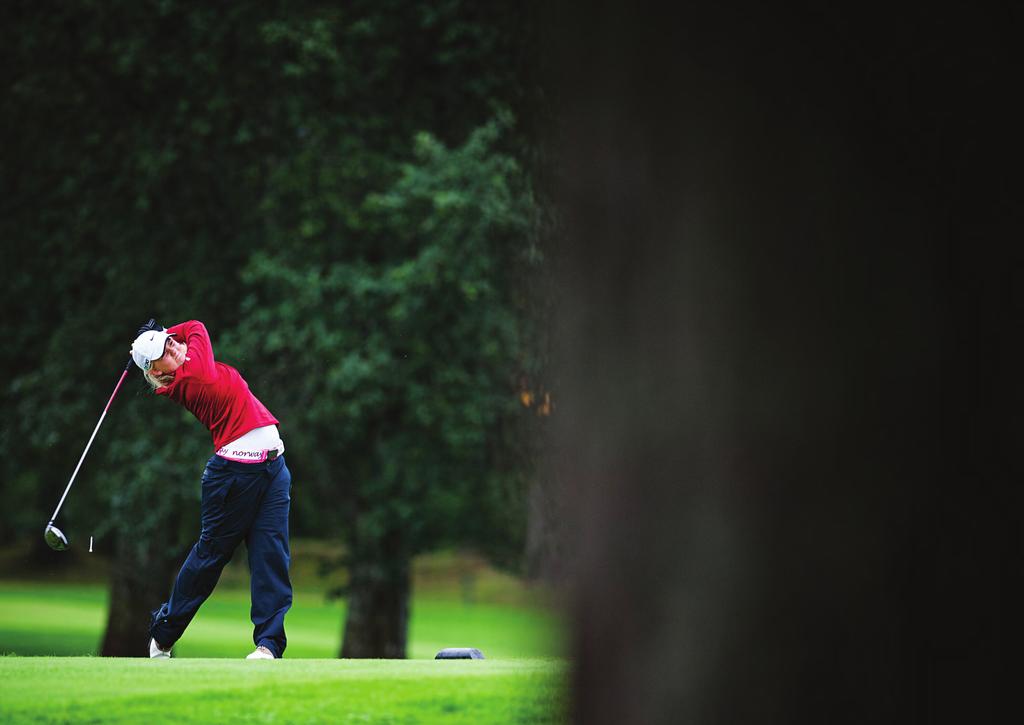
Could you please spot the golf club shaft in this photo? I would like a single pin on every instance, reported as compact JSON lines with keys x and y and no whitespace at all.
{"x":91,"y":438}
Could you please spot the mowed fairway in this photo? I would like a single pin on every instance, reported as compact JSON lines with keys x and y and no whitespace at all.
{"x":65,"y":619}
{"x":86,"y":689}
{"x":50,"y":629}
{"x":457,"y":602}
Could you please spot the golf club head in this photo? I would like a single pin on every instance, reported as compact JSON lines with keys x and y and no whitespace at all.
{"x":55,"y":538}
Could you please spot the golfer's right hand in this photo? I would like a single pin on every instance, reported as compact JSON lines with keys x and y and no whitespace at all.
{"x":151,"y":325}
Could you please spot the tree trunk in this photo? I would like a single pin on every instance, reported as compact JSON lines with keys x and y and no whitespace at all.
{"x":545,"y":513}
{"x":789,"y":388}
{"x":377,"y":622}
{"x":140,"y":581}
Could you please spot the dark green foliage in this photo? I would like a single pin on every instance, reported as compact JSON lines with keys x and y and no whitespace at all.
{"x":337,"y":191}
{"x":402,"y":361}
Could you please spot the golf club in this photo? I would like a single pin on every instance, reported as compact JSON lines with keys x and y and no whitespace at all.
{"x":55,"y":538}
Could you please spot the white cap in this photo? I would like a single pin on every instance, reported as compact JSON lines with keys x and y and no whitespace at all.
{"x":149,"y":346}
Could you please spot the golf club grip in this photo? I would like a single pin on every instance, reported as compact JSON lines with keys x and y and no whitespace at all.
{"x":91,"y":439}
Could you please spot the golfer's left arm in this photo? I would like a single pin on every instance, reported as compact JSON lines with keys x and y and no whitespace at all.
{"x":199,"y":358}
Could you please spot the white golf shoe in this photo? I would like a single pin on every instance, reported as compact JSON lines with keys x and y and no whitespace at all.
{"x":156,"y":653}
{"x":261,"y":653}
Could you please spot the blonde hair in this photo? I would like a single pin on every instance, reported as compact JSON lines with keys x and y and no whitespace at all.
{"x":157,"y":380}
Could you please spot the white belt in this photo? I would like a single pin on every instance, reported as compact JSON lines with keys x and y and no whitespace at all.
{"x":256,"y":446}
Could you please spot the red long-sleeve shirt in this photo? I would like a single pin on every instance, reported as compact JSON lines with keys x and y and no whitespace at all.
{"x":215,"y":393}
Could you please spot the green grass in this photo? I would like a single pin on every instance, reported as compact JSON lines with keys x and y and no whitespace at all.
{"x":85,"y":689}
{"x":68,"y":620}
{"x":459,"y":602}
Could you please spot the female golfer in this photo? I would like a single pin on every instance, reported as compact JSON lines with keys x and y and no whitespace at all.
{"x":245,"y":486}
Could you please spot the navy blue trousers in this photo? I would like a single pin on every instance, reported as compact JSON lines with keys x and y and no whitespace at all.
{"x":241,"y":502}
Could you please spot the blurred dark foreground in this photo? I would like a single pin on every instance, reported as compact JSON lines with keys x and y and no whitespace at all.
{"x":790,"y":416}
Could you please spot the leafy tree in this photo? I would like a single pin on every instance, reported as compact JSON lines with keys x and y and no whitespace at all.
{"x":403,"y":362}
